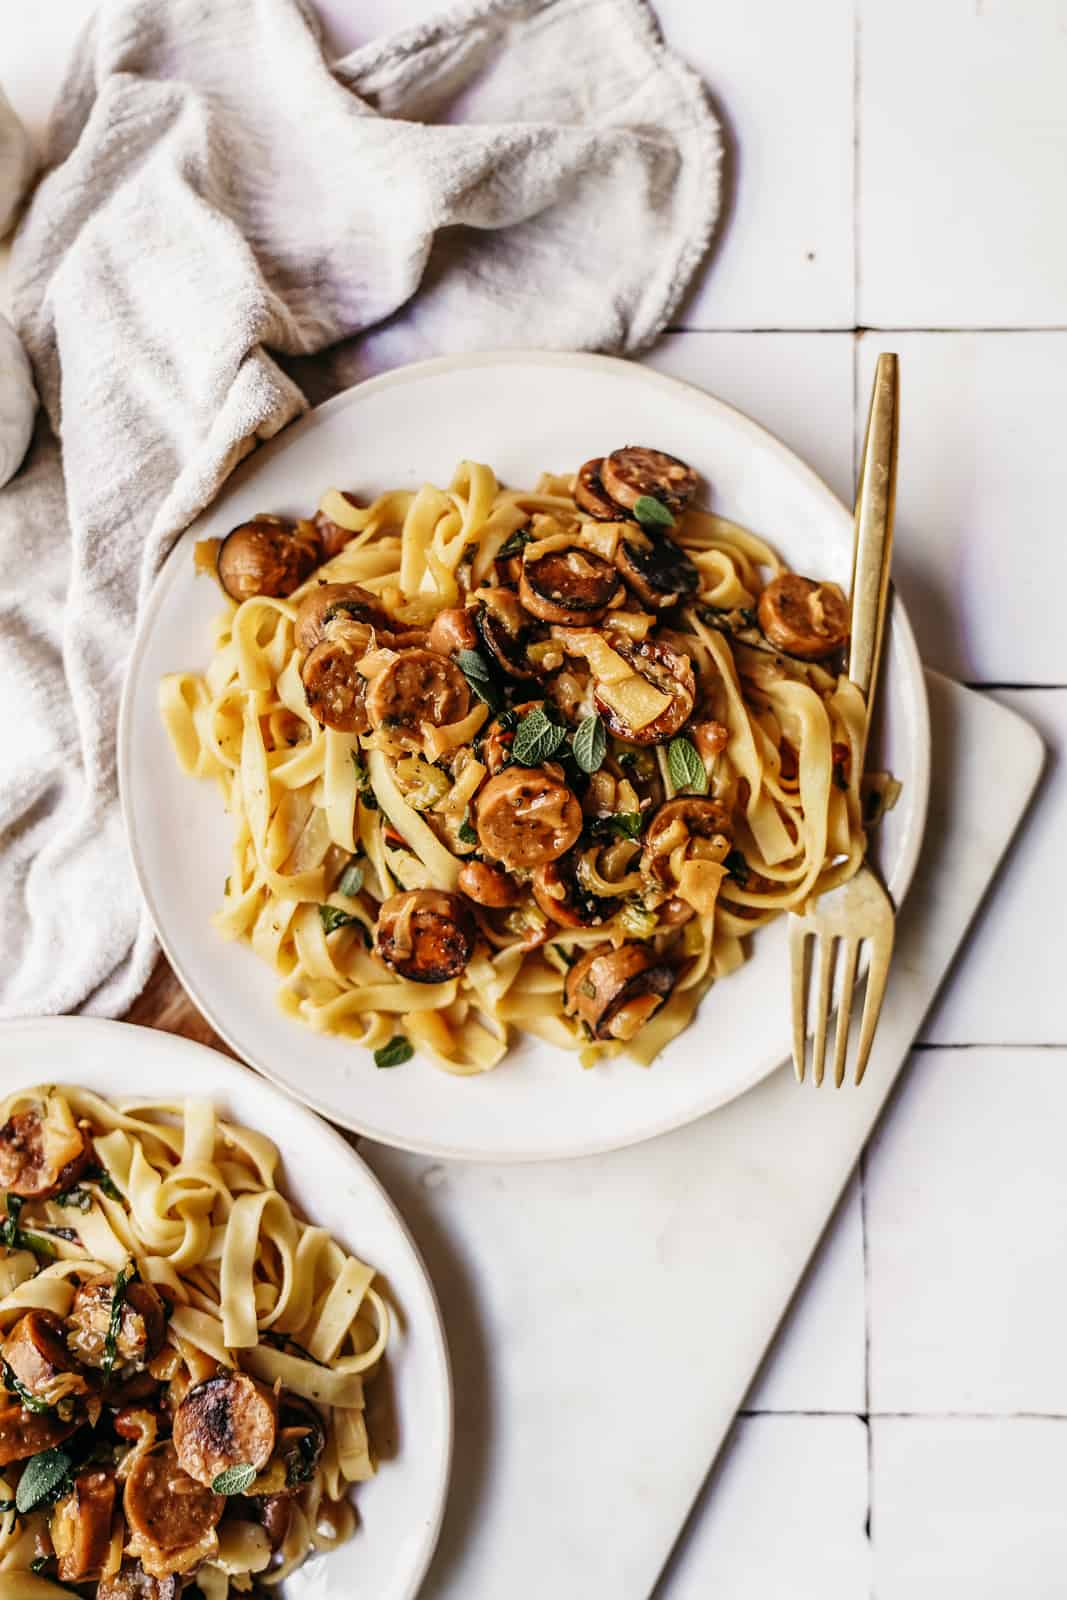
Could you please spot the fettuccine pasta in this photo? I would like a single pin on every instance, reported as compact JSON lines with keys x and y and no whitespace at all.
{"x":183,"y":1356}
{"x":535,"y":759}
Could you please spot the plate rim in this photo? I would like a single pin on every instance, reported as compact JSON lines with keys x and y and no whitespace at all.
{"x":623,"y":369}
{"x":223,"y":1067}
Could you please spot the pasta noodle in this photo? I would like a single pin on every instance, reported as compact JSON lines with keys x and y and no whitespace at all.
{"x":359,"y":726}
{"x":185,"y":1357}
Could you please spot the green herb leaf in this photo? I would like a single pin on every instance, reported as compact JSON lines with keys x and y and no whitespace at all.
{"x":103,"y":1182}
{"x":300,"y":1460}
{"x":368,"y":799}
{"x":332,"y":918}
{"x":685,"y":766}
{"x":467,"y":834}
{"x":395,"y":1053}
{"x":626,"y":824}
{"x":235,"y":1480}
{"x":13,"y":1385}
{"x":737,"y":867}
{"x":123,"y":1279}
{"x":41,"y":1474}
{"x":478,"y":673}
{"x":537,"y":739}
{"x":652,"y":513}
{"x":519,"y":539}
{"x":17,"y":1238}
{"x":590,"y":744}
{"x":79,"y":1198}
{"x":351,"y":880}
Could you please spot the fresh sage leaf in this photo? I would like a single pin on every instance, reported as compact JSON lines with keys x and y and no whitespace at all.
{"x":395,"y":1053}
{"x":123,"y":1279}
{"x":536,"y":739}
{"x":685,"y":766}
{"x":351,"y":880}
{"x":332,"y":918}
{"x":368,"y":799}
{"x":467,"y":834}
{"x":590,"y":744}
{"x":79,"y":1198}
{"x":17,"y":1238}
{"x":652,"y":513}
{"x":479,"y":675}
{"x":235,"y":1480}
{"x":41,"y":1474}
{"x":625,"y":824}
{"x":514,"y":546}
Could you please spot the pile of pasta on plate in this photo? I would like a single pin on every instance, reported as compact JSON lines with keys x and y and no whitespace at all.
{"x":532,"y":759}
{"x":183,"y":1356}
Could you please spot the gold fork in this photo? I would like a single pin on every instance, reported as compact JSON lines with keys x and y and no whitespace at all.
{"x":860,"y":910}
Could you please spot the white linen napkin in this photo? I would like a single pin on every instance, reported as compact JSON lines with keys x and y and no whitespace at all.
{"x":222,"y":204}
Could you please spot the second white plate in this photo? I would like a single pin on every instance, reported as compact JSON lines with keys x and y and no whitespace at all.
{"x":523,"y":414}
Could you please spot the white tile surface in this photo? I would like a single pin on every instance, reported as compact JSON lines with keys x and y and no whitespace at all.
{"x":967,"y":1234}
{"x":781,"y":77}
{"x":1007,"y":984}
{"x":962,"y":151}
{"x":799,"y":385}
{"x":981,"y":557}
{"x":784,"y":1518}
{"x":818,"y":1360}
{"x":968,"y":1509}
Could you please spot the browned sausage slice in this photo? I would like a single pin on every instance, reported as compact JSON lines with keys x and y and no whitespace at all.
{"x":701,"y":819}
{"x":37,"y":1354}
{"x":319,"y":608}
{"x":269,"y":555}
{"x":560,"y":895}
{"x":668,"y":670}
{"x":635,"y":471}
{"x":568,"y":586}
{"x":590,"y":495}
{"x":81,"y":1526}
{"x":425,"y":935}
{"x":527,"y":816}
{"x":488,"y":886}
{"x":142,"y":1324}
{"x":333,"y":536}
{"x":503,"y":630}
{"x":453,"y":630}
{"x":165,"y":1507}
{"x":134,"y":1583}
{"x":35,"y":1166}
{"x":419,"y":686}
{"x":614,"y":992}
{"x":656,"y":569}
{"x":228,"y":1421}
{"x":276,"y":1513}
{"x":24,"y":1433}
{"x":335,"y":689}
{"x":804,"y":618}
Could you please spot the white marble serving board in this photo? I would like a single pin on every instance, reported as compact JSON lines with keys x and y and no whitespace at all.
{"x":606,"y":1316}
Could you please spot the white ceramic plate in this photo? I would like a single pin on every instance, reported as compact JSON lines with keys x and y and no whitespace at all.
{"x":521,"y":413}
{"x":400,"y":1509}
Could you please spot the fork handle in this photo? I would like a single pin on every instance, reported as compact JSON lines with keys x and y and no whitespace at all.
{"x":875,"y":504}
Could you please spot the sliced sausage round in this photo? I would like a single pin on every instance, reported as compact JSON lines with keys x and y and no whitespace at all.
{"x":488,"y":886}
{"x":568,"y":586}
{"x":330,"y":600}
{"x":269,"y":555}
{"x":504,"y":631}
{"x":803,"y":618}
{"x":453,"y":630}
{"x":426,"y":935}
{"x":558,"y":892}
{"x":635,"y":471}
{"x":27,"y":1168}
{"x":165,"y":1506}
{"x":81,"y":1526}
{"x":142,"y":1323}
{"x":668,"y":670}
{"x":227,"y":1421}
{"x":418,"y":686}
{"x":527,"y":816}
{"x":333,"y":536}
{"x":36,"y":1352}
{"x":702,"y":819}
{"x":25,"y":1433}
{"x":335,"y":689}
{"x":590,"y":495}
{"x":132,"y":1582}
{"x":656,"y":569}
{"x":615,"y":992}
{"x":276,"y":1513}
